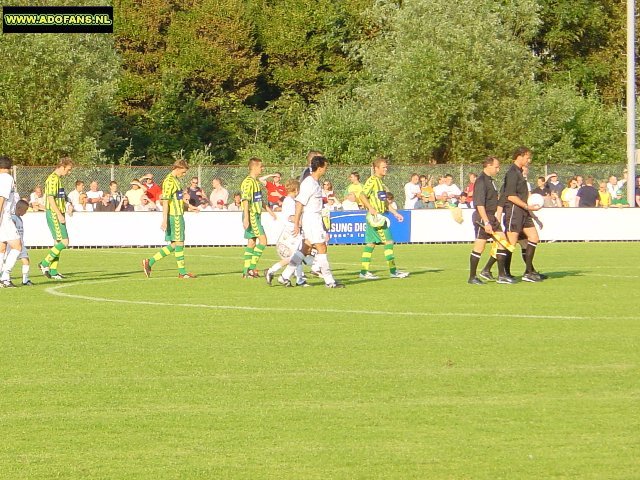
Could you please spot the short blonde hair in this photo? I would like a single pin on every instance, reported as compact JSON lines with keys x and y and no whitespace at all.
{"x":292,"y":185}
{"x":180,"y":164}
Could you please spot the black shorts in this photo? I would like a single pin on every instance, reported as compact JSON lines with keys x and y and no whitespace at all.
{"x":516,"y":219}
{"x":480,"y":233}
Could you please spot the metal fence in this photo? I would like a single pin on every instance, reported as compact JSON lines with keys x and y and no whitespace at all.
{"x":232,"y":175}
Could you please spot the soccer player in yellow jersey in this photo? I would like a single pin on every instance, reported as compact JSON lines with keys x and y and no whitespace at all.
{"x":173,"y":207}
{"x":252,"y":205}
{"x":374,"y":199}
{"x":55,"y":208}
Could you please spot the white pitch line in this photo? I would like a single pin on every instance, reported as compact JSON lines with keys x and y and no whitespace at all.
{"x":56,"y":291}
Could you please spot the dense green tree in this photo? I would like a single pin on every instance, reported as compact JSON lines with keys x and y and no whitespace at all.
{"x":55,"y":92}
{"x":455,"y":81}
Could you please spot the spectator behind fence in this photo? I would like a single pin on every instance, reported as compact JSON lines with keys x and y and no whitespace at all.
{"x":552,"y":200}
{"x":146,"y":205}
{"x":428,"y":199}
{"x":125,"y":206}
{"x":219,"y":205}
{"x":570,"y":193}
{"x":276,"y":192}
{"x":587,"y":194}
{"x":412,"y":192}
{"x":218,"y":193}
{"x":463,"y":201}
{"x":469,"y":188}
{"x":604,"y":197}
{"x":105,"y":205}
{"x":327,"y":189}
{"x":74,"y":196}
{"x":37,"y":200}
{"x":354,"y":187}
{"x":391,"y":199}
{"x":135,"y":193}
{"x":554,"y":184}
{"x":541,"y":187}
{"x":638,"y":191}
{"x":447,"y":186}
{"x":620,"y":200}
{"x":94,"y":194}
{"x":349,"y":203}
{"x":614,"y":185}
{"x":154,"y":191}
{"x":83,"y":204}
{"x":580,"y":180}
{"x":236,"y":205}
{"x":333,"y":204}
{"x":115,"y":196}
{"x":195,"y":192}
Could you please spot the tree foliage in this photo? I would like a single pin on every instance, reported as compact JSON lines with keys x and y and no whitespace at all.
{"x":55,"y":92}
{"x":412,"y":79}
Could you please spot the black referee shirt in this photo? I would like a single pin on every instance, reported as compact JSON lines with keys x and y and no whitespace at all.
{"x":515,"y":184}
{"x":485,"y":194}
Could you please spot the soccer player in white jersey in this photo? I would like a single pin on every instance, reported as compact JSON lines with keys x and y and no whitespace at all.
{"x":21,"y":208}
{"x":308,"y":218}
{"x":9,"y":235}
{"x":288,"y":243}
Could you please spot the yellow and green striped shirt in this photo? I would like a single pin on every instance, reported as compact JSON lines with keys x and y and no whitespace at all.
{"x":53,"y":188}
{"x":172,"y":192}
{"x":251,"y":191}
{"x":376,"y":193}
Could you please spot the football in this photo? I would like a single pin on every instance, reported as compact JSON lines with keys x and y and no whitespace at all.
{"x":536,"y":199}
{"x":377,"y":221}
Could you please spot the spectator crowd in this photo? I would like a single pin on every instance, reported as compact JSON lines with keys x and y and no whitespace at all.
{"x":422,"y":191}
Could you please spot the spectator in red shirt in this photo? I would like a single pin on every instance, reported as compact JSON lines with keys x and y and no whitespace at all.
{"x":154,"y":191}
{"x":469,"y":188}
{"x":276,"y":192}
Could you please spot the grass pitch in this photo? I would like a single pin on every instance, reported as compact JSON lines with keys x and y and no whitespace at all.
{"x":111,"y":375}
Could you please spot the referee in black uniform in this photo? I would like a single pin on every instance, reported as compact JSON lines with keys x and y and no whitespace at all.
{"x":517,"y":214}
{"x":485,"y":223}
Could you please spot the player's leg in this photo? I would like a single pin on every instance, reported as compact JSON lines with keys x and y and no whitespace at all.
{"x":295,"y":261}
{"x":325,"y":268}
{"x":49,"y":266}
{"x":179,"y":254}
{"x":532,"y":242}
{"x":257,"y":251}
{"x":26,"y":266}
{"x":147,"y":263}
{"x":474,"y":258}
{"x":10,"y":258}
{"x":365,"y":261}
{"x":248,"y":254}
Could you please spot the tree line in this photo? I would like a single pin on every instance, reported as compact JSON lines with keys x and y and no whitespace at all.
{"x":218,"y":81}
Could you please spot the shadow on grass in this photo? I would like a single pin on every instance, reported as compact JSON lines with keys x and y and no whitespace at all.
{"x":565,"y":273}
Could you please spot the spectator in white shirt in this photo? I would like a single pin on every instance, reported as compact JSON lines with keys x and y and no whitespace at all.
{"x":146,"y":205}
{"x":448,"y":187}
{"x":37,"y":200}
{"x":349,"y":203}
{"x":236,"y":206}
{"x":614,"y":185}
{"x":94,"y":195}
{"x":74,"y":197}
{"x":412,"y":192}
{"x":218,"y":193}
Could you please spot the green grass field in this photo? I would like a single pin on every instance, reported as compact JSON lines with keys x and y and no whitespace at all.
{"x":110,"y":375}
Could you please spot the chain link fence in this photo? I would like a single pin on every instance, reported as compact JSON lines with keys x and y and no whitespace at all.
{"x":232,"y":175}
